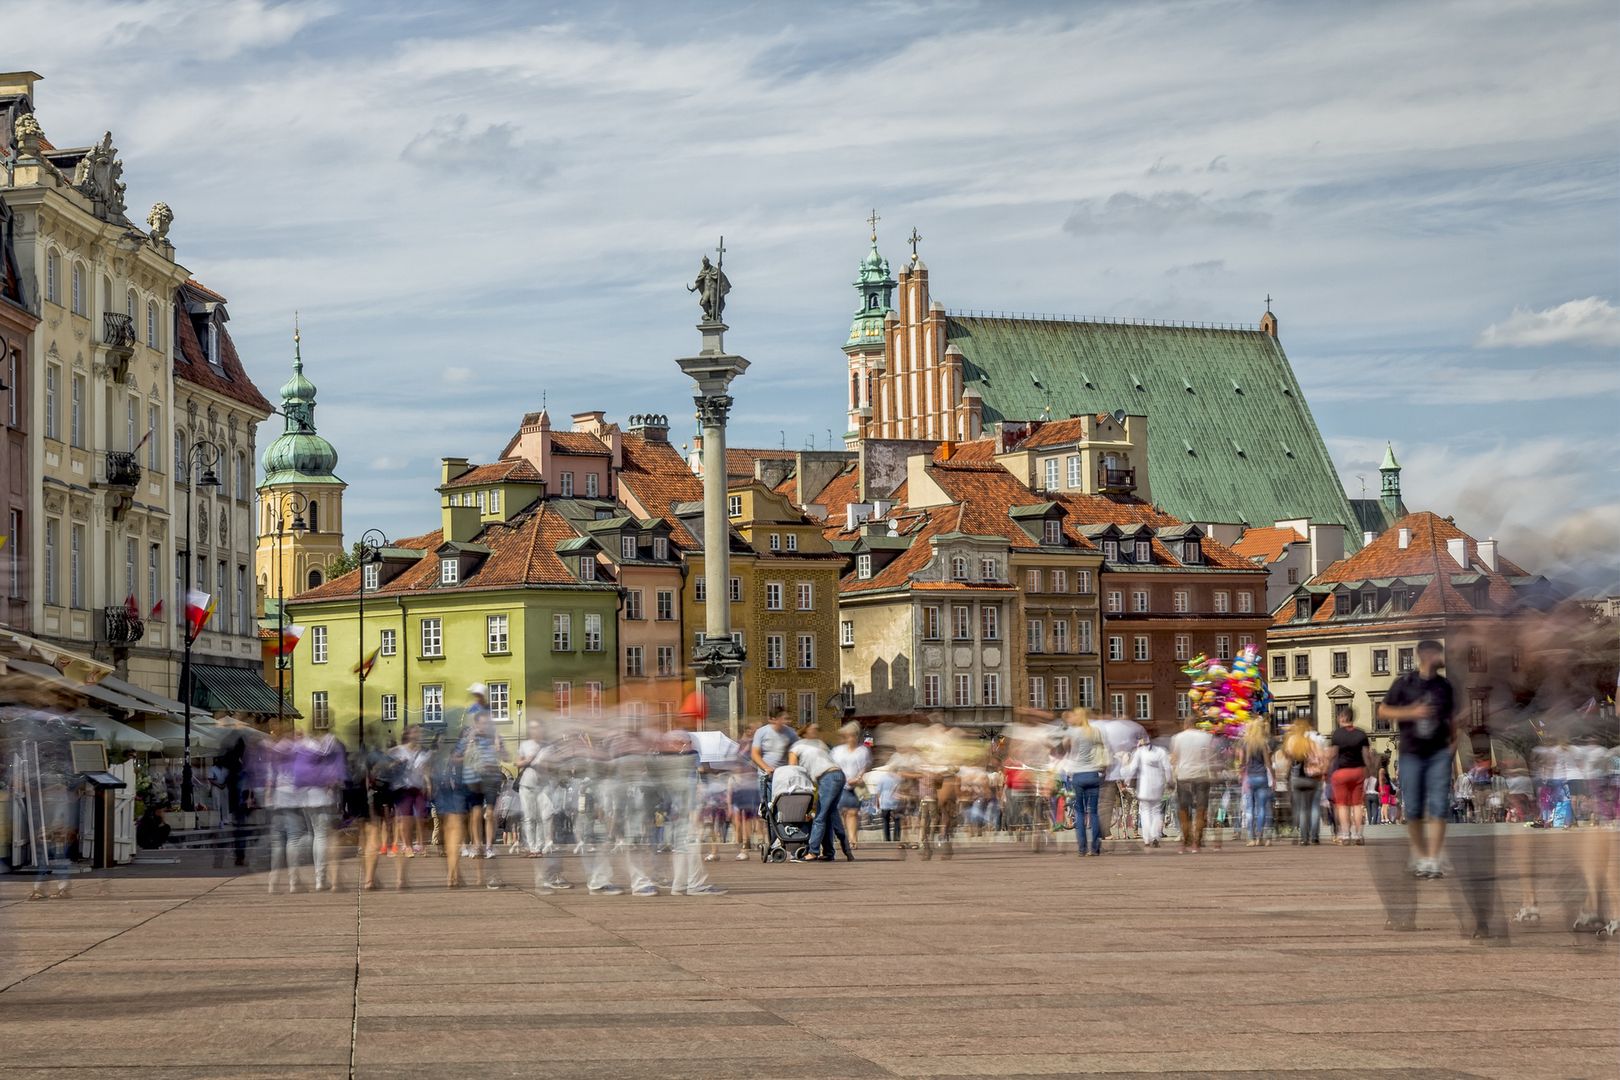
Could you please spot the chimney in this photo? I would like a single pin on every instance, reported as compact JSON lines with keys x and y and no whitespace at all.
{"x":589,"y":422}
{"x":1403,"y":538}
{"x":654,"y":427}
{"x":1327,"y":546}
{"x":1457,"y":548}
{"x":450,"y":468}
{"x":1368,"y":537}
{"x":1487,"y":553}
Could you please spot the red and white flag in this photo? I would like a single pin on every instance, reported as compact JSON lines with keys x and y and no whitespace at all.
{"x":289,"y":641}
{"x":199,"y":606}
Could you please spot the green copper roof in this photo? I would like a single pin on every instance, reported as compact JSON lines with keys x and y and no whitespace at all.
{"x":876,"y":287}
{"x":1389,"y":457}
{"x":299,"y":455}
{"x":1230,"y":437}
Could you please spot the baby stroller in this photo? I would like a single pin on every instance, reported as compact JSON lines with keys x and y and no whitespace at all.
{"x":788,"y":814}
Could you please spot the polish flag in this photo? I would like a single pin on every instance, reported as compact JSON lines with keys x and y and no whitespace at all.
{"x":289,"y":641}
{"x":157,"y":609}
{"x":199,"y":606}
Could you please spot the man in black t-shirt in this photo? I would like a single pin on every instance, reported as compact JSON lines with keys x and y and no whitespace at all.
{"x":1423,"y":704}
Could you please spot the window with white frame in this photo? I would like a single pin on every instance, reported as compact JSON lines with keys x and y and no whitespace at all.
{"x":1083,"y":581}
{"x":432,"y":637}
{"x":1116,"y":601}
{"x":863,"y":566}
{"x":587,"y":568}
{"x":635,"y":664}
{"x":930,"y":692}
{"x":1245,"y":602}
{"x":53,"y":277}
{"x":775,"y":542}
{"x":989,"y":569}
{"x":1052,"y":533}
{"x":1139,"y":600}
{"x":1060,"y":581}
{"x":1060,"y":692}
{"x":565,"y":485}
{"x":660,"y":548}
{"x":1183,"y":646}
{"x":773,"y":596}
{"x":1144,"y":551}
{"x":390,"y":708}
{"x":846,"y":633}
{"x":930,"y":624}
{"x":807,"y":652}
{"x":1084,"y":627}
{"x":1183,"y":601}
{"x":495,"y":501}
{"x":593,"y":632}
{"x":500,"y":701}
{"x":632,"y":604}
{"x":80,"y":305}
{"x":962,"y":618}
{"x":792,"y":541}
{"x":449,"y":571}
{"x":1051,"y":473}
{"x":317,"y":645}
{"x":1244,"y":641}
{"x":774,"y":660}
{"x":959,"y":568}
{"x":666,"y":660}
{"x":1139,"y":648}
{"x":320,"y":710}
{"x":1116,"y":647}
{"x":592,"y":490}
{"x":665,"y":611}
{"x":1035,"y":636}
{"x":807,"y":706}
{"x":593,"y":699}
{"x":562,"y":632}
{"x":562,"y":697}
{"x":734,"y":506}
{"x":1060,"y":635}
{"x":76,"y":412}
{"x":1088,"y":692}
{"x":964,"y":691}
{"x":1074,"y":470}
{"x":1116,"y":704}
{"x":700,"y":588}
{"x":1183,"y":706}
{"x":1223,"y":602}
{"x":1144,"y":706}
{"x":370,"y":576}
{"x":735,"y":590}
{"x":627,"y":547}
{"x":1223,"y":646}
{"x":389,"y":643}
{"x":495,"y":636}
{"x":990,"y":622}
{"x":433,"y":704}
{"x":483,"y":502}
{"x":992,"y":688}
{"x":1037,"y":692}
{"x":807,"y":596}
{"x":1192,"y":552}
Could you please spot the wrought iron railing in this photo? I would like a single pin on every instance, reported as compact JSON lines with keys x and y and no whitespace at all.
{"x":123,"y":628}
{"x":117,"y":330}
{"x":123,"y":469}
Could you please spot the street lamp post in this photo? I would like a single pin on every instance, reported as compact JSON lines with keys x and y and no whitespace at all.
{"x":371,"y":542}
{"x":203,"y":454}
{"x":279,"y":521}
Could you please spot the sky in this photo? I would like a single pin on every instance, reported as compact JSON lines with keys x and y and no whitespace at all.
{"x":477,"y":208}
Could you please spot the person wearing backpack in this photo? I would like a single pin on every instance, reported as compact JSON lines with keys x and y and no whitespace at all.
{"x":1307,"y":764}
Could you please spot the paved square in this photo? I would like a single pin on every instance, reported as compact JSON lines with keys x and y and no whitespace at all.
{"x":997,"y":962}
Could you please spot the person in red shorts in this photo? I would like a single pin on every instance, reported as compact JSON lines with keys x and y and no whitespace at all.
{"x":1350,"y":777}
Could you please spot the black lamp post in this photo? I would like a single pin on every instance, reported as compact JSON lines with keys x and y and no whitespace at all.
{"x":279,"y":521}
{"x":203,"y":455}
{"x":371,"y":542}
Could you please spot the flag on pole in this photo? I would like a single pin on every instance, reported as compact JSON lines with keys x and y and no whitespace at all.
{"x":363,"y":668}
{"x":289,"y":641}
{"x":132,"y":608}
{"x":157,"y":608}
{"x":199,"y":606}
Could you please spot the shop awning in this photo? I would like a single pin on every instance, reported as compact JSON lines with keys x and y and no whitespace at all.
{"x":163,"y":702}
{"x":115,"y":734}
{"x":173,"y":734}
{"x":221,"y":689}
{"x":76,"y":665}
{"x":91,"y":691}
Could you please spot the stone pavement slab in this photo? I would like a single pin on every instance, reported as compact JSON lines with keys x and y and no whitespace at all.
{"x":997,"y":962}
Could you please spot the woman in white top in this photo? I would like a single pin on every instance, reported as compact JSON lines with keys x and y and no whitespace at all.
{"x":530,"y":757}
{"x":1149,"y":767}
{"x":855,"y":758}
{"x":1084,"y":763}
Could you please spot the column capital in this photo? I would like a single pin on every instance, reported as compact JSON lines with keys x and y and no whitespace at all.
{"x":713,"y":409}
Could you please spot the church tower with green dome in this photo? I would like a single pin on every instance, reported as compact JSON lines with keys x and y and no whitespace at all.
{"x":864,"y":348}
{"x":298,"y":462}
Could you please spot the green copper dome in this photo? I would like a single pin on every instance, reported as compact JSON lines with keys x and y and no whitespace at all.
{"x":299,"y":455}
{"x":876,"y":288}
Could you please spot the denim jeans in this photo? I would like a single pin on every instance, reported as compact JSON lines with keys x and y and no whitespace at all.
{"x":828,"y":823}
{"x":1307,"y":806}
{"x":1085,"y":789}
{"x":1256,"y":806}
{"x":1426,"y":784}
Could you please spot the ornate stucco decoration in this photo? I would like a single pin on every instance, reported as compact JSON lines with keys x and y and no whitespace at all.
{"x":160,"y":218}
{"x":97,"y":175}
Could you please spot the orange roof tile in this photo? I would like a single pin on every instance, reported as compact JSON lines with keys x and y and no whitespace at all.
{"x":740,"y":460}
{"x":578,"y":442}
{"x":1266,"y":545}
{"x":656,"y":475}
{"x":507,"y":470}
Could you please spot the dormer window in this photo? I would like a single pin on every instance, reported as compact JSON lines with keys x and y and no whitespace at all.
{"x":1369,"y":601}
{"x":1192,"y":552}
{"x":792,"y":542}
{"x":590,"y":485}
{"x":660,"y":548}
{"x":1111,"y":550}
{"x":213,"y":342}
{"x":370,"y":576}
{"x":627,"y":547}
{"x":989,"y":570}
{"x":1144,"y":551}
{"x":734,"y":506}
{"x":483,"y":498}
{"x":1052,"y":533}
{"x":1341,"y":603}
{"x":587,"y":568}
{"x":449,"y":571}
{"x":863,"y":567}
{"x":776,"y":542}
{"x":1302,"y":608}
{"x":495,"y":502}
{"x":959,"y":568}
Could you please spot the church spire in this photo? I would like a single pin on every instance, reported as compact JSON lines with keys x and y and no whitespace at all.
{"x":875,"y":285}
{"x":1389,"y":475}
{"x":298,"y":452}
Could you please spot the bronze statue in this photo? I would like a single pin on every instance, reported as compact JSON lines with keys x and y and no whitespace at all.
{"x":711,"y":286}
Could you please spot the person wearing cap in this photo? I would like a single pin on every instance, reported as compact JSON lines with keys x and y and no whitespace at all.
{"x":480,"y":752}
{"x":1423,"y":703}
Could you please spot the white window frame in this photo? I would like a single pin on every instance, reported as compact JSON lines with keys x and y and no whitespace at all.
{"x":449,"y":570}
{"x":863,"y":566}
{"x":318,"y":645}
{"x":1115,"y":602}
{"x":1037,"y":692}
{"x":1141,"y":651}
{"x":1223,"y":602}
{"x":1060,"y":692}
{"x":635,"y":661}
{"x":1116,"y":648}
{"x":1183,"y":601}
{"x":963,"y":698}
{"x":565,"y":485}
{"x":633,"y":607}
{"x":1223,"y":646}
{"x":1060,"y":635}
{"x":1074,"y":470}
{"x":500,"y":702}
{"x":1052,"y":533}
{"x":775,"y":542}
{"x":497,"y":634}
{"x":660,"y":548}
{"x":792,"y":541}
{"x":390,"y":708}
{"x":1084,"y":634}
{"x":773,"y":596}
{"x":1058,"y":581}
{"x":1116,"y":704}
{"x":1082,"y":583}
{"x":627,"y":547}
{"x":734,"y":506}
{"x":1087,"y":691}
{"x":562,"y":697}
{"x":1032,"y":580}
{"x":320,"y":710}
{"x":593,"y":632}
{"x":806,"y":598}
{"x":562,"y":631}
{"x":774,"y":658}
{"x":990,"y":690}
{"x":432,"y":637}
{"x":932,"y":623}
{"x":846,"y":633}
{"x":370,"y":576}
{"x":807,"y":652}
{"x":1050,"y":473}
{"x":1245,"y":602}
{"x":433,"y":703}
{"x":1035,"y":635}
{"x":930,"y":691}
{"x":665,"y":609}
{"x":1143,"y":553}
{"x":734,"y":591}
{"x":1139,"y":600}
{"x":1144,"y":705}
{"x":989,"y":568}
{"x":587,"y":568}
{"x":990,"y":623}
{"x":665,"y":655}
{"x":961,"y":622}
{"x":388,"y":644}
{"x":1183,"y":646}
{"x":592,"y":485}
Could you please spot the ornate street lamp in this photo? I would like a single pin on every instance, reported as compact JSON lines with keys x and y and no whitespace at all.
{"x":203,"y":455}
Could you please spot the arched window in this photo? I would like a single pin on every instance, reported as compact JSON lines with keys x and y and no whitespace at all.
{"x":314,"y":516}
{"x":78,"y":296}
{"x":244,"y":482}
{"x":315,"y":578}
{"x":53,"y":276}
{"x":151,"y":324}
{"x":959,"y":568}
{"x":180,"y":454}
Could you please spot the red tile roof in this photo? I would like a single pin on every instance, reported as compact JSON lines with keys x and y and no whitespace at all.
{"x":656,"y":475}
{"x":191,"y":361}
{"x":977,"y":452}
{"x":522,"y":553}
{"x":578,"y":442}
{"x":740,"y":460}
{"x":1266,"y":545}
{"x":507,"y":470}
{"x":1055,"y":433}
{"x":1129,"y":510}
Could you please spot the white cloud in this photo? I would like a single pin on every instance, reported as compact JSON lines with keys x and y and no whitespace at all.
{"x":1592,"y":321}
{"x":459,"y":374}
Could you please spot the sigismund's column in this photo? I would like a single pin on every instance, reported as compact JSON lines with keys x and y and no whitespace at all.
{"x":717,"y":657}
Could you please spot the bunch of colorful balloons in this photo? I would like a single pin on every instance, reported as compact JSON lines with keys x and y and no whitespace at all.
{"x":1227,"y":696}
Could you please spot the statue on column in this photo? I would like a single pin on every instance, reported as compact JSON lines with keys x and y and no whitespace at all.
{"x":711,"y":286}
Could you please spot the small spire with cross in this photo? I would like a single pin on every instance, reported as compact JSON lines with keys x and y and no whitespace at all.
{"x":914,"y":239}
{"x":1268,"y":301}
{"x":872,"y":219}
{"x":720,"y":252}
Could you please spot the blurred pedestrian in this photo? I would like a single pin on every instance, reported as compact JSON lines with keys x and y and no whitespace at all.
{"x":854,"y":757}
{"x":1149,"y":768}
{"x":1306,"y":766}
{"x":1349,"y":782}
{"x":1085,"y":761}
{"x":1254,"y":767}
{"x":1423,"y":703}
{"x":810,"y":753}
{"x":1191,"y":754}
